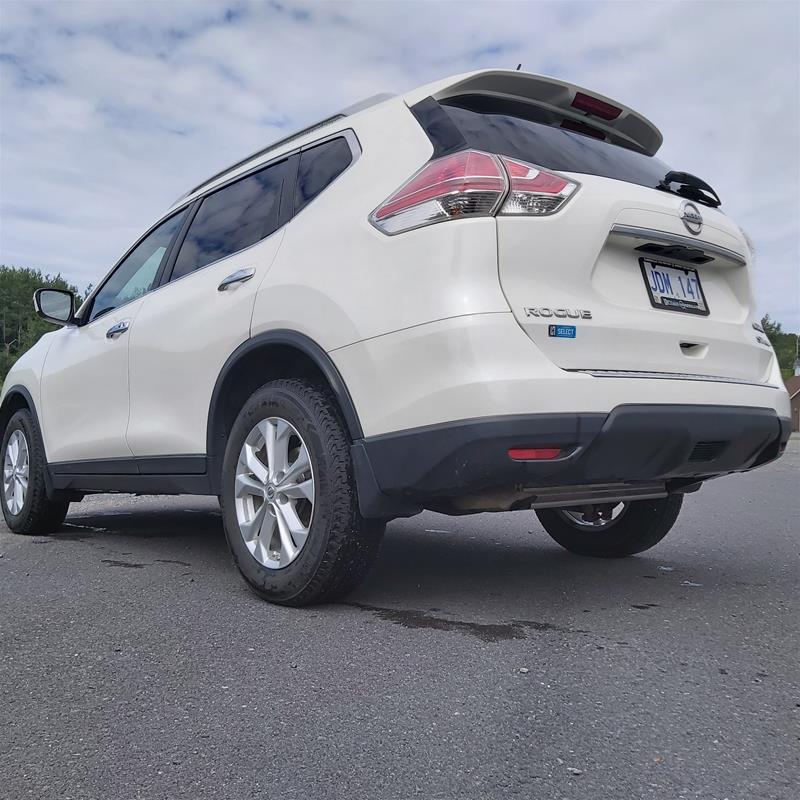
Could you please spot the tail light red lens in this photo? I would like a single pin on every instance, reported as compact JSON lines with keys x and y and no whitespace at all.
{"x":465,"y":184}
{"x":534,"y":191}
{"x":471,"y":184}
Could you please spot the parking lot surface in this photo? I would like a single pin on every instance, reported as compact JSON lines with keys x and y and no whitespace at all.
{"x":479,"y":660}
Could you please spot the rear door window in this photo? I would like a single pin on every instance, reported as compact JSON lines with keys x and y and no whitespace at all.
{"x":319,"y":167}
{"x":232,"y":218}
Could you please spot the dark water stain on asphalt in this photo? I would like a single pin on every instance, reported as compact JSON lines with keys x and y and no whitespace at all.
{"x":486,"y":632}
{"x":127,"y":564}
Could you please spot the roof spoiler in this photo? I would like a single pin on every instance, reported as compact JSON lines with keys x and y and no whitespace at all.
{"x":581,"y":110}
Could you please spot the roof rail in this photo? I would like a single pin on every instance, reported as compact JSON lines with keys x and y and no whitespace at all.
{"x":349,"y":111}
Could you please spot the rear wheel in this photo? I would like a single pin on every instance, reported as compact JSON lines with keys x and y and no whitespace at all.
{"x":289,"y":500}
{"x":612,"y":531}
{"x":23,"y":495}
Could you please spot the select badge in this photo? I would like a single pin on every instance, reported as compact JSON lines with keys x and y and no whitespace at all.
{"x":561,"y":331}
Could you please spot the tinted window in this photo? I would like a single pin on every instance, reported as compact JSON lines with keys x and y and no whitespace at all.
{"x":540,"y":143}
{"x":137,"y":273}
{"x":231,"y":219}
{"x":319,"y":166}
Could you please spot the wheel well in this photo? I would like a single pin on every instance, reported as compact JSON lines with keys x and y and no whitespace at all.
{"x":255,"y":364}
{"x":13,"y":402}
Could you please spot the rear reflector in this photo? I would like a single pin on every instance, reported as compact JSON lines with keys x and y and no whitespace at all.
{"x":598,"y":108}
{"x":534,"y":453}
{"x":465,"y":184}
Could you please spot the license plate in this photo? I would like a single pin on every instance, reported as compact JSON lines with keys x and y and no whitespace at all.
{"x":673,"y":288}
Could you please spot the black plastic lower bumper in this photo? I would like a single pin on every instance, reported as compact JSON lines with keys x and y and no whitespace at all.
{"x":400,"y":473}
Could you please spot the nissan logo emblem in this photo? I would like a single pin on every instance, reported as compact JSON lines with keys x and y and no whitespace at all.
{"x":691,"y":217}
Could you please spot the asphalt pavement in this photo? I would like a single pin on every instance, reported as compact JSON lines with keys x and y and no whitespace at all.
{"x":479,"y":660}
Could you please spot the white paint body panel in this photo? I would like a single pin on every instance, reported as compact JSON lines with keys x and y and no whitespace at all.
{"x":544,"y":263}
{"x":84,"y":390}
{"x":183,"y":335}
{"x":27,"y":370}
{"x":484,"y":365}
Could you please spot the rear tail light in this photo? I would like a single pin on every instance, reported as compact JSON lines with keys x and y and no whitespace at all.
{"x":534,"y":191}
{"x":466,"y":184}
{"x":471,"y":184}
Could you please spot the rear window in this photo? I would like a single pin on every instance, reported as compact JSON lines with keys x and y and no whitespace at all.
{"x":504,"y":131}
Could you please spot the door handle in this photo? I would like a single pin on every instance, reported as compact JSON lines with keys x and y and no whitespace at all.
{"x":118,"y":329}
{"x":240,"y":276}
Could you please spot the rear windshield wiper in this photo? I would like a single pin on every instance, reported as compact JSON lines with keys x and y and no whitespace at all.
{"x":689,"y":186}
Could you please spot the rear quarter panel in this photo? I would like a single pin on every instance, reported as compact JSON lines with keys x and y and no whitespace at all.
{"x":339,"y":280}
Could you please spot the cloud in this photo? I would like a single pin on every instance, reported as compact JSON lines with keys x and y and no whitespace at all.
{"x":111,"y":110}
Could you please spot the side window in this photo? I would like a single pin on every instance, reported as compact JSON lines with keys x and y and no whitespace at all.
{"x":231,"y":219}
{"x":135,"y":275}
{"x":318,"y":168}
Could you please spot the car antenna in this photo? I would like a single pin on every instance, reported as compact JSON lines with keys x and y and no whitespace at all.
{"x":519,"y":67}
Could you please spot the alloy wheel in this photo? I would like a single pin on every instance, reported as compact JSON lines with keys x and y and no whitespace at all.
{"x":274,"y":492}
{"x":16,"y":472}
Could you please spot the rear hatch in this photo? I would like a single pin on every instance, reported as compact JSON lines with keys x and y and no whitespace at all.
{"x":625,"y":277}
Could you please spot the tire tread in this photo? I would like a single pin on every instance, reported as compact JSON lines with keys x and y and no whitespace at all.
{"x":353,"y":542}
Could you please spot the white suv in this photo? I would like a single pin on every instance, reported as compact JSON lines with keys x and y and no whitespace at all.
{"x":300,"y":336}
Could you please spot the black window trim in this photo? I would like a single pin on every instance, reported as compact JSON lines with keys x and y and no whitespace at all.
{"x":285,"y":214}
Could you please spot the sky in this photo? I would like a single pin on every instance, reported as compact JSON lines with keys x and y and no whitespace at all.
{"x":111,"y":110}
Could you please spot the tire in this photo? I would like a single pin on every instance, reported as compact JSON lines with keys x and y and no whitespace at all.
{"x":643,"y":524}
{"x":340,"y":545}
{"x":38,"y":514}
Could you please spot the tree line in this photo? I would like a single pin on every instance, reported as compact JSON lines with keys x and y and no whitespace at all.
{"x":20,"y":328}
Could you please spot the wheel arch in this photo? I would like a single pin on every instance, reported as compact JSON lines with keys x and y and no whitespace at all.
{"x":16,"y":398}
{"x":273,"y":354}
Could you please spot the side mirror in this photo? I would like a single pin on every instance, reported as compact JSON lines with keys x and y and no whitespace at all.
{"x":55,"y":305}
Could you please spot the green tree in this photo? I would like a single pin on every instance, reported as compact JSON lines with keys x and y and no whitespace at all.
{"x":20,"y":328}
{"x":784,"y":344}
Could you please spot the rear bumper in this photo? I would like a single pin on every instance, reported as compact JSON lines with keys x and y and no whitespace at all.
{"x":485,"y":366}
{"x":663,"y":447}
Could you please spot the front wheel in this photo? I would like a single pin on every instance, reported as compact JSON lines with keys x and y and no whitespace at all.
{"x":613,"y":531}
{"x":27,"y":509}
{"x":289,"y":500}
